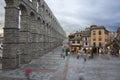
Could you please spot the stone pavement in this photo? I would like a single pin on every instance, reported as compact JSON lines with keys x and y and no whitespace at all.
{"x":48,"y":67}
{"x":52,"y":67}
{"x":99,"y":68}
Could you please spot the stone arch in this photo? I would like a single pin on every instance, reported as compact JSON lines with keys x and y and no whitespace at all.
{"x":24,"y":33}
{"x":32,"y":21}
{"x":23,"y":9}
{"x":22,"y":15}
{"x":39,"y":21}
{"x":51,"y":17}
{"x":32,"y":15}
{"x":49,"y":14}
{"x":43,"y":7}
{"x":43,"y":22}
{"x":47,"y":24}
{"x":46,"y":11}
{"x":33,"y":34}
{"x":24,"y":41}
{"x":39,"y":35}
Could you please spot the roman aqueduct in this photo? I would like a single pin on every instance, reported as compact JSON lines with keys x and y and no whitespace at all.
{"x":31,"y":30}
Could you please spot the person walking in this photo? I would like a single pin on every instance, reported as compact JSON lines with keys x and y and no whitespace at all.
{"x":78,"y":54}
{"x":85,"y":59}
{"x":84,"y":56}
{"x":67,"y":51}
{"x":81,"y":77}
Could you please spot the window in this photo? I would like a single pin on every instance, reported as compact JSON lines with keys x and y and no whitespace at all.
{"x":100,"y":44}
{"x":100,"y":39}
{"x":94,"y":44}
{"x":86,"y":43}
{"x":106,"y":40}
{"x":86,"y":38}
{"x":94,"y":39}
{"x":78,"y":42}
{"x":99,"y":33}
{"x":94,"y":33}
{"x":73,"y":41}
{"x":77,"y":35}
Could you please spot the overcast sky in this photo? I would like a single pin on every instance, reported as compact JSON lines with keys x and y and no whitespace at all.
{"x":77,"y":14}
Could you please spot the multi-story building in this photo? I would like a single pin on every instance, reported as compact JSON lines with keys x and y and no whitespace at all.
{"x":94,"y":37}
{"x":113,"y":45}
{"x":75,"y":41}
{"x":118,"y":39}
{"x":99,"y":37}
{"x":111,"y":36}
{"x":118,"y":34}
{"x":86,"y":38}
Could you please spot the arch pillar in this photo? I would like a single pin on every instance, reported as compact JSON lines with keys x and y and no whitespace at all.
{"x":42,"y":39}
{"x":11,"y":38}
{"x":45,"y":39}
{"x":50,"y":40}
{"x":34,"y":39}
{"x":39,"y":46}
{"x":25,"y":56}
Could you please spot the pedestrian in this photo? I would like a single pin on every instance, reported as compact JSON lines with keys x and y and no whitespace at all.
{"x":78,"y":54}
{"x":81,"y":77}
{"x":63,"y":56}
{"x":63,"y":50}
{"x":84,"y":50}
{"x":67,"y":51}
{"x":85,"y":59}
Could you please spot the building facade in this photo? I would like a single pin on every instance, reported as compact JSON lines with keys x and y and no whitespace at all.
{"x":86,"y":38}
{"x":111,"y":36}
{"x":99,"y":37}
{"x":76,"y":41}
{"x":116,"y":44}
{"x":93,"y":37}
{"x":118,"y":40}
{"x":118,"y":34}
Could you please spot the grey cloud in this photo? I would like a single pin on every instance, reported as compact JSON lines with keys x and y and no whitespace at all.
{"x":86,"y":13}
{"x":76,"y":14}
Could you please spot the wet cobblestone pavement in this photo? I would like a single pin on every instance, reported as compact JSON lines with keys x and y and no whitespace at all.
{"x":99,"y":68}
{"x":52,"y":67}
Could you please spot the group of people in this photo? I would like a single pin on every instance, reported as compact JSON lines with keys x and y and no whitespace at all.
{"x":82,"y":53}
{"x":67,"y":52}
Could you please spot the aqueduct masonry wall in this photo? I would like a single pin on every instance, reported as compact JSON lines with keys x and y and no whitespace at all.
{"x":30,"y":31}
